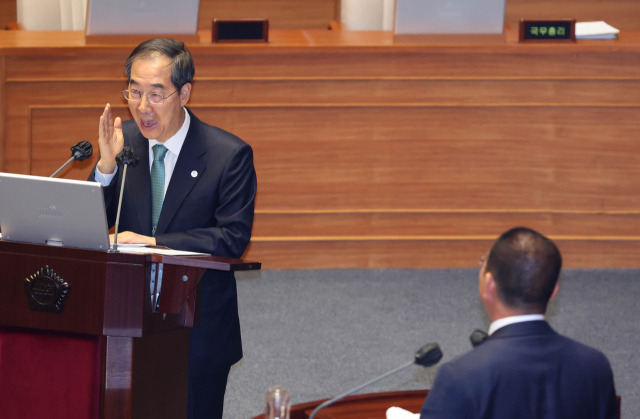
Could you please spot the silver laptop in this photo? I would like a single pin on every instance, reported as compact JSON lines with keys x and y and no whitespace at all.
{"x":124,"y":17}
{"x":449,"y":16}
{"x":58,"y":212}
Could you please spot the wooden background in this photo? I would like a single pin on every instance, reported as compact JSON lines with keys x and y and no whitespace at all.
{"x":371,"y":154}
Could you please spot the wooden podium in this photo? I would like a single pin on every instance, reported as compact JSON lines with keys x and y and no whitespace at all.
{"x":97,"y":334}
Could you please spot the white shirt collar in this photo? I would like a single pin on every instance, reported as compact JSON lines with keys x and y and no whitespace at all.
{"x":174,"y":144}
{"x":505,"y":321}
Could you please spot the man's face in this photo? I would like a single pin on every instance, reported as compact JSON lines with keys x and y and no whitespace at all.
{"x":157,"y":121}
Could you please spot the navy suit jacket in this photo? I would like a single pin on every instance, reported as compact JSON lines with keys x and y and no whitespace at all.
{"x":524,"y":370}
{"x":208,"y":207}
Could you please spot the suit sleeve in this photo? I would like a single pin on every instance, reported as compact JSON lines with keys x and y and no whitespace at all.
{"x":230,"y":233}
{"x":609,"y":392}
{"x":447,"y":398}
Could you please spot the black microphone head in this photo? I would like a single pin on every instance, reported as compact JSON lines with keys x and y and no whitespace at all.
{"x":127,"y":156}
{"x":82,"y":151}
{"x":428,"y":355}
{"x":478,"y":337}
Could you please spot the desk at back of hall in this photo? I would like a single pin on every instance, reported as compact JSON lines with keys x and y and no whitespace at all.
{"x":372,"y":153}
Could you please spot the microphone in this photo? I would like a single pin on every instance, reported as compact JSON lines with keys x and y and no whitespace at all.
{"x":126,"y":158}
{"x":478,"y":337}
{"x":426,"y":356}
{"x":81,"y":151}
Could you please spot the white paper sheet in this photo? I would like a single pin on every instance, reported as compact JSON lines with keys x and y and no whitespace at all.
{"x":595,"y":30}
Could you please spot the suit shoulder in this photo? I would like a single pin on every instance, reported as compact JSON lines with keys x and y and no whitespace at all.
{"x":588,"y":353}
{"x":503,"y":353}
{"x":217,"y":136}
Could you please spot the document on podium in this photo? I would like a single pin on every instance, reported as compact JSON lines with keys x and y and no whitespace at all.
{"x":400,"y":413}
{"x":144,"y":249}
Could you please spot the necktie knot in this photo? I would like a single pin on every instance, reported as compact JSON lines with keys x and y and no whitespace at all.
{"x":159,"y":152}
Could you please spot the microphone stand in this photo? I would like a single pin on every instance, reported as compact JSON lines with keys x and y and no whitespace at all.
{"x":126,"y":157}
{"x":115,"y":236}
{"x":80,"y":151}
{"x":426,"y":356}
{"x":63,"y":166}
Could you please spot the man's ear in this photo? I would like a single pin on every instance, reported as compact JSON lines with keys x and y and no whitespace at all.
{"x":490,"y":288}
{"x":555,"y":291}
{"x":185,"y":93}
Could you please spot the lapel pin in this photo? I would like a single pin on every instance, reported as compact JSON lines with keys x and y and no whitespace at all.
{"x":194,"y":174}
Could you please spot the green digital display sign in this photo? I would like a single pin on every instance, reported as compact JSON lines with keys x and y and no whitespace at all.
{"x":547,"y":30}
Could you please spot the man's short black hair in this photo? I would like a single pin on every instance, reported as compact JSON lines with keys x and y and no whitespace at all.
{"x":182,"y":69}
{"x":526,"y":266}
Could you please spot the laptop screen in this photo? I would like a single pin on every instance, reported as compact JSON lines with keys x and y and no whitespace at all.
{"x":59,"y":212}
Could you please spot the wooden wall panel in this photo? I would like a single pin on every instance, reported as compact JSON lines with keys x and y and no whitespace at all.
{"x":8,"y":12}
{"x":524,"y":62}
{"x":50,"y":148}
{"x":418,"y":91}
{"x":282,"y":14}
{"x":454,"y":252}
{"x":28,"y":125}
{"x":358,"y":167}
{"x":395,"y":224}
{"x":70,"y":66}
{"x":518,"y":157}
{"x":375,"y":155}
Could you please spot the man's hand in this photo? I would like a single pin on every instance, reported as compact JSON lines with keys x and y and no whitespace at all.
{"x":110,"y":141}
{"x":131,"y":237}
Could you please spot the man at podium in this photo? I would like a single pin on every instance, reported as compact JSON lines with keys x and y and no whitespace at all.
{"x":524,"y":369}
{"x":193,"y":189}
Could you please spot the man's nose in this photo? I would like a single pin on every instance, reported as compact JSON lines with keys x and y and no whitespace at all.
{"x":144,"y":105}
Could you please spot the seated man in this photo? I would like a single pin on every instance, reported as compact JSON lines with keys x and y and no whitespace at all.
{"x":524,"y":369}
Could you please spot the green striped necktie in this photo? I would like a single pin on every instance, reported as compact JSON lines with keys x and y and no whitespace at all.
{"x":157,"y":184}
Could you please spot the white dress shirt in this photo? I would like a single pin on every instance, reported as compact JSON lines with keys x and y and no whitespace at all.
{"x":513,"y":319}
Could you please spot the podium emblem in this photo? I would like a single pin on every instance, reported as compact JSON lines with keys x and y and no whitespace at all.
{"x":46,"y":291}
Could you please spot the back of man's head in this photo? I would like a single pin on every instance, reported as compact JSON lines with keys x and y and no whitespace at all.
{"x":525,"y":266}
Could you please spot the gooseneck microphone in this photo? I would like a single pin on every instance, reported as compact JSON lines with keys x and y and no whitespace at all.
{"x":81,"y":151}
{"x":126,"y":158}
{"x":426,"y":356}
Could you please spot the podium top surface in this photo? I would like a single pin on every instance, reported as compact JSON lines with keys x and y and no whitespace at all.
{"x":217,"y":263}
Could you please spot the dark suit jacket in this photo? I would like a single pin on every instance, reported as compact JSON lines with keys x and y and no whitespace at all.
{"x":524,"y":370}
{"x":208,"y":207}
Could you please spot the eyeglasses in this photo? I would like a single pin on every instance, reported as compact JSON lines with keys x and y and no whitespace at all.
{"x":136,"y":95}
